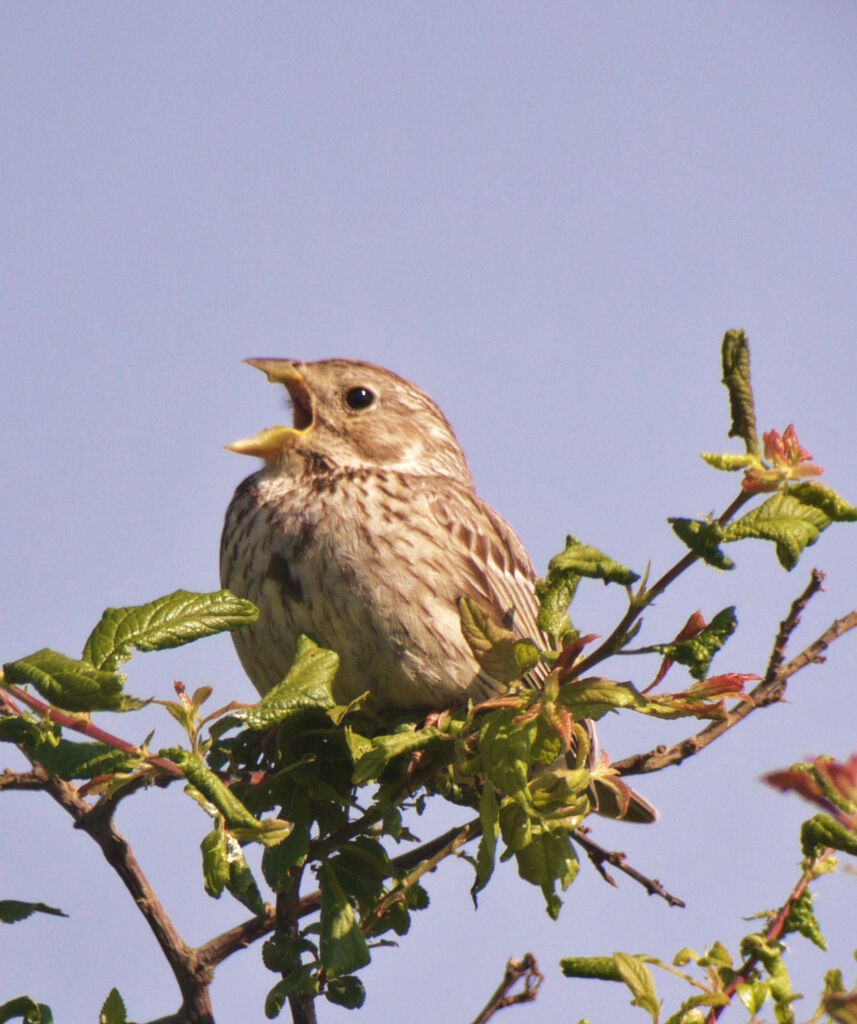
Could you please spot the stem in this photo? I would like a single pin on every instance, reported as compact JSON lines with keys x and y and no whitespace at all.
{"x":642,"y":600}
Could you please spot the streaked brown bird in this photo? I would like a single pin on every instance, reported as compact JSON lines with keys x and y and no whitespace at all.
{"x":363,"y":530}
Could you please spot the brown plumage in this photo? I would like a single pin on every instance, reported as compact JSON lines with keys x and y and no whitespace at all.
{"x":363,"y":530}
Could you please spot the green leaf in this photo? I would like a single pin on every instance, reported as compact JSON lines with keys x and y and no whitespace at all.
{"x":301,"y":980}
{"x":499,"y":652}
{"x":348,"y":992}
{"x":70,"y":684}
{"x":735,"y":357}
{"x":584,"y":560}
{"x":802,"y":919}
{"x":113,"y":1009}
{"x":833,"y":505}
{"x":787,"y":520}
{"x":341,"y":944}
{"x":594,"y":697}
{"x":697,"y":652}
{"x":292,"y":851}
{"x":282,"y":952}
{"x":600,"y":968}
{"x":548,"y":860}
{"x":638,"y":977}
{"x":241,"y":882}
{"x":822,"y":831}
{"x":307,"y":687}
{"x":505,"y":743}
{"x":71,"y":760}
{"x":215,"y":862}
{"x":385,"y":748}
{"x":12,"y":911}
{"x":27,"y":1009}
{"x":361,"y":866}
{"x":702,"y":538}
{"x":239,"y":820}
{"x":489,"y":818}
{"x":171,"y":621}
{"x":728,"y":461}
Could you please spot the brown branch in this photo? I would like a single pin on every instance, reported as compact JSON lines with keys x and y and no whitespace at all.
{"x":193,"y":977}
{"x":643,"y":599}
{"x":773,"y":933}
{"x":769,"y":691}
{"x":599,"y":857}
{"x":20,"y":780}
{"x":527,"y":970}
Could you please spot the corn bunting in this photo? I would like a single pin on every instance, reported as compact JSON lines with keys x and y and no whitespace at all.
{"x":363,"y":530}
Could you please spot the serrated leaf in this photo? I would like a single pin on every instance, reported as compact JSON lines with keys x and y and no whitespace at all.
{"x":802,"y":919}
{"x":594,"y":697}
{"x":27,"y":1009}
{"x":170,"y":621}
{"x":12,"y":911}
{"x":585,"y":560}
{"x":239,"y":820}
{"x":697,"y":652}
{"x":348,"y":992}
{"x":306,"y":687}
{"x":735,"y":359}
{"x":821,"y":831}
{"x":833,"y":505}
{"x":703,"y":539}
{"x":69,"y":684}
{"x":385,"y":748}
{"x":503,"y":655}
{"x":785,"y":519}
{"x":113,"y":1009}
{"x":341,"y":944}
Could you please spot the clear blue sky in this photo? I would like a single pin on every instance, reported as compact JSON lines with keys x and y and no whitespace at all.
{"x":547,"y":216}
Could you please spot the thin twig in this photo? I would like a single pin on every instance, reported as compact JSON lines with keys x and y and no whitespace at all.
{"x":527,"y":970}
{"x":773,"y":933}
{"x":769,"y":691}
{"x":642,"y":600}
{"x":599,"y":857}
{"x":89,"y":729}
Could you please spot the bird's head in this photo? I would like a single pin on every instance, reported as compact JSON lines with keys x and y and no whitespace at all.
{"x":350,"y":414}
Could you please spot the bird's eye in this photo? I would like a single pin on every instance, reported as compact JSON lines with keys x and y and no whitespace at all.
{"x":359,"y":398}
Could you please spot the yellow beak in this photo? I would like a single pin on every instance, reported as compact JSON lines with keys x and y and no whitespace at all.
{"x":268,"y":443}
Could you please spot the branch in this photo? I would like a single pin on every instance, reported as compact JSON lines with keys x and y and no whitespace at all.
{"x":599,"y":857}
{"x":643,"y":599}
{"x":769,"y":691}
{"x":20,"y":780}
{"x":525,"y":969}
{"x":773,"y":934}
{"x":192,"y":976}
{"x":86,"y":727}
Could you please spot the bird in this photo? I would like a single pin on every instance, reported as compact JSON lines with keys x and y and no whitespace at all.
{"x":363,"y":530}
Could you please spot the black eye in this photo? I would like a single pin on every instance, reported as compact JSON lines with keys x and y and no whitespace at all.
{"x":359,"y":398}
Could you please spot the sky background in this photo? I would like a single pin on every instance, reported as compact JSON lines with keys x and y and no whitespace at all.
{"x":546,"y":216}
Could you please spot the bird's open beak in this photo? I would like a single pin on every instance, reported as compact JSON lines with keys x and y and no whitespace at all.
{"x":268,"y":443}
